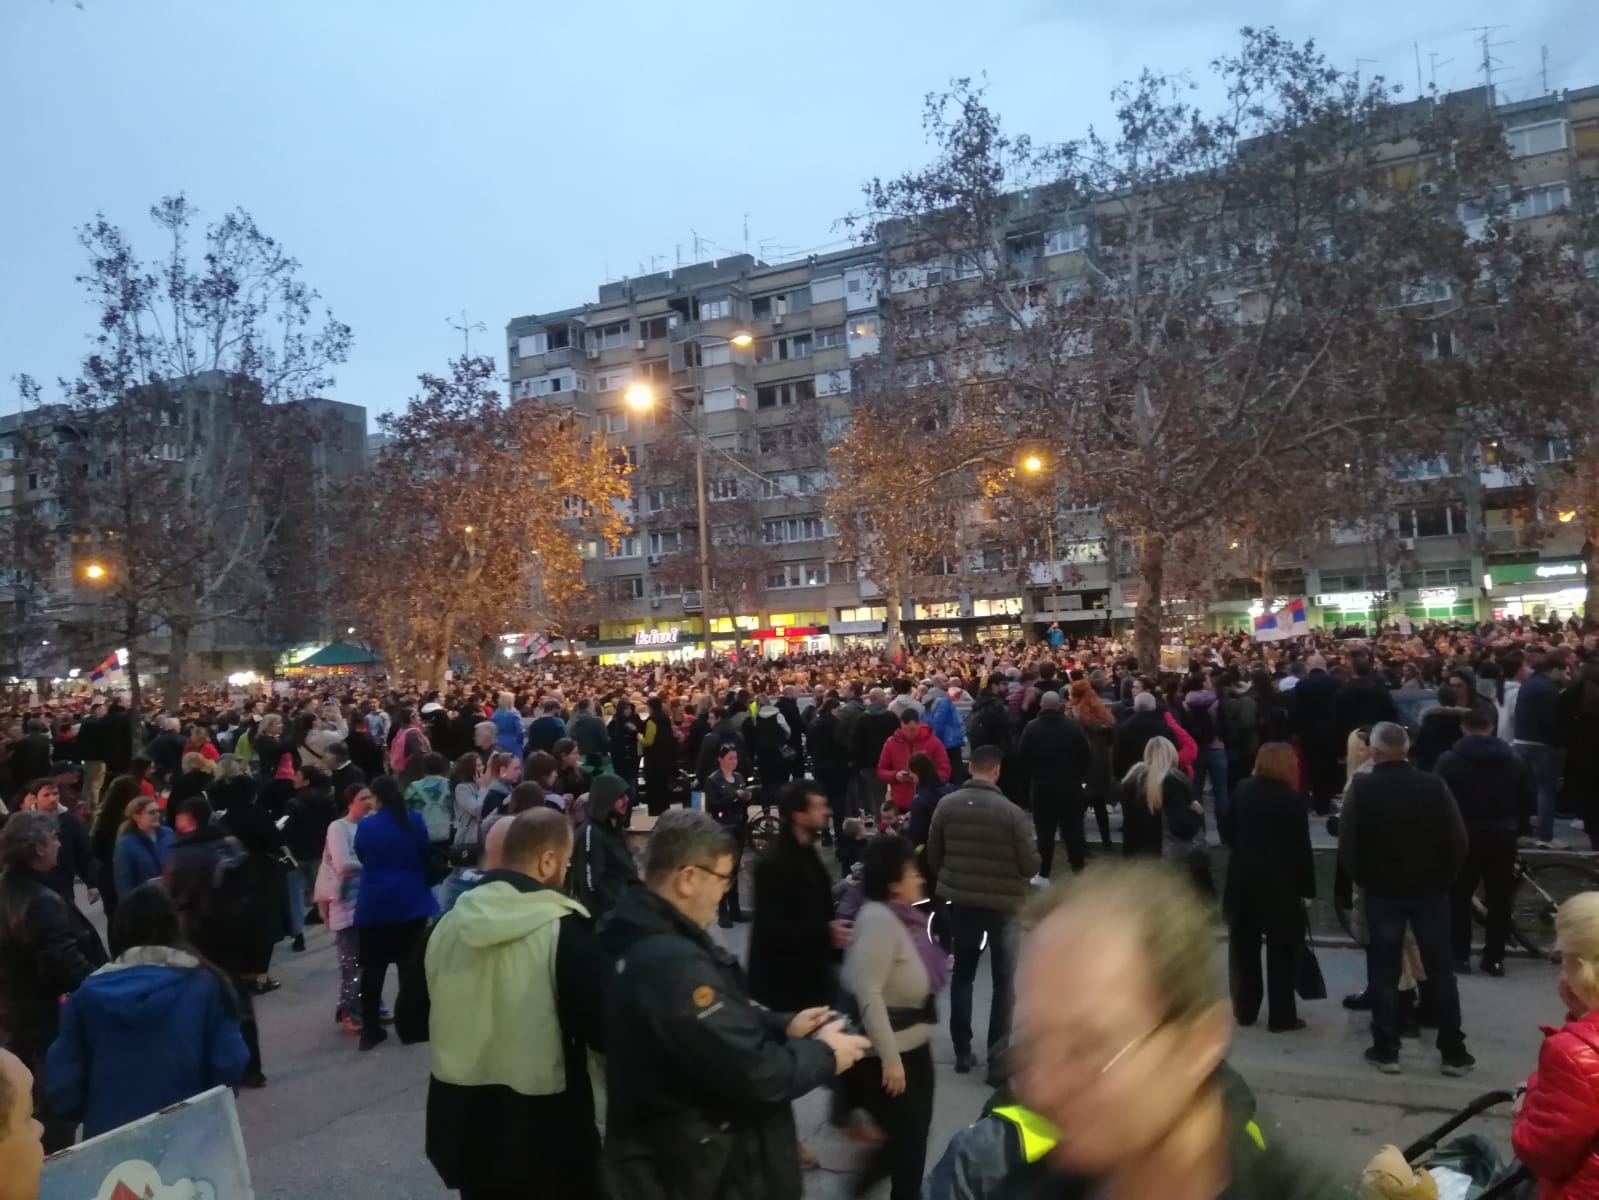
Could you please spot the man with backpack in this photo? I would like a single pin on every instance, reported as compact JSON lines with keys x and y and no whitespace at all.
{"x":207,"y":875}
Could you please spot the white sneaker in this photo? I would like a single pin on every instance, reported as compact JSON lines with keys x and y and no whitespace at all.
{"x":1579,"y":826}
{"x":1038,"y":881}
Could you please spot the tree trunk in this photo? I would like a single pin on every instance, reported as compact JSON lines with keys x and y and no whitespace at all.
{"x":891,"y":596}
{"x":1151,"y":581}
{"x":131,"y":633}
{"x":177,"y":662}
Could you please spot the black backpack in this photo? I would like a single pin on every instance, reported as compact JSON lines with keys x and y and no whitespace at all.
{"x":1202,"y":724}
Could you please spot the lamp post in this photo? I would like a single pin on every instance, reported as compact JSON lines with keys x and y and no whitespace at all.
{"x":641,"y":398}
{"x":1034,"y":464}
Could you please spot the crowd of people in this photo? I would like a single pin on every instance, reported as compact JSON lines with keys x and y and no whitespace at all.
{"x":479,"y":838}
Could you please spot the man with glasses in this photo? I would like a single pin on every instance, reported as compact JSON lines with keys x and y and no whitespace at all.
{"x":699,"y":1078}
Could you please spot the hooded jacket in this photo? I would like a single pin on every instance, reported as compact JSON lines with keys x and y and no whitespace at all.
{"x":1491,"y":784}
{"x":148,"y":1030}
{"x":896,"y":757}
{"x":1556,"y":1133}
{"x":1437,"y":731}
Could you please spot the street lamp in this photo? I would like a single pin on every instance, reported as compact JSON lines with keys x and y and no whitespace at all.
{"x":641,"y":398}
{"x":1034,"y":464}
{"x":1566,"y":518}
{"x":94,"y":571}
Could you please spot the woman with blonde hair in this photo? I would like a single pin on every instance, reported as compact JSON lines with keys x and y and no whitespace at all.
{"x":143,"y":845}
{"x":1556,"y":1130}
{"x":1160,"y":816}
{"x":1269,"y":875}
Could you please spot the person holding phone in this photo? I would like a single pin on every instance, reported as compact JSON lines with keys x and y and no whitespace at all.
{"x":727,"y":799}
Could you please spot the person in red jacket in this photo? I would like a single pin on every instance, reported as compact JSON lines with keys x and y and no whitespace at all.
{"x":1556,"y":1130}
{"x":894,"y":764}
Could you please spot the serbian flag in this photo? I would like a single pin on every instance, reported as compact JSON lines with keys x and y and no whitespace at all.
{"x":112,"y":663}
{"x":1287,"y":622}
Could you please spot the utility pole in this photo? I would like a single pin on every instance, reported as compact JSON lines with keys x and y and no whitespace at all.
{"x":1416,"y":46}
{"x":466,"y":329}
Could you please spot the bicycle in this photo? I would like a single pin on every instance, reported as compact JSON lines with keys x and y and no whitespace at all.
{"x":1539,"y":889}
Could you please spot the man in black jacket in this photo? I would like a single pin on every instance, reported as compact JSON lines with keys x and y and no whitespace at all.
{"x":30,"y":757}
{"x":1402,"y":841}
{"x":1055,"y":757}
{"x":91,"y":742}
{"x":794,"y":940}
{"x":47,"y":948}
{"x":723,"y":733}
{"x":699,"y":1078}
{"x":76,"y":857}
{"x":1311,"y":704}
{"x":1496,"y":794}
{"x":872,"y":729}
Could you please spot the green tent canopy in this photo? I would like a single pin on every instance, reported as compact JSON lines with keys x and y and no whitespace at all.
{"x":339,"y":654}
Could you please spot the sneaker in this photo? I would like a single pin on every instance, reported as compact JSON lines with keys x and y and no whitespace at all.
{"x":1458,"y":1062}
{"x":1039,"y":881}
{"x":1299,"y":1023}
{"x":312,"y":917}
{"x":253,"y":1080}
{"x":1578,"y":825}
{"x":298,"y":944}
{"x":1386,"y":1061}
{"x":1495,"y":969}
{"x":350,"y":1025}
{"x":1359,"y":1002}
{"x":964,"y":1063}
{"x":385,"y":1017}
{"x":370,"y":1038}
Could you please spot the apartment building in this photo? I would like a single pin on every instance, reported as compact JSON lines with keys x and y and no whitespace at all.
{"x":1457,"y":545}
{"x":54,"y":621}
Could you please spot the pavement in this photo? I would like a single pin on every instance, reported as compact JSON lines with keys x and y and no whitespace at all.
{"x":337,"y":1123}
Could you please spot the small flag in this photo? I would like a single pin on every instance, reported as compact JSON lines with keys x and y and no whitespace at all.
{"x":112,"y":663}
{"x":1287,"y":622}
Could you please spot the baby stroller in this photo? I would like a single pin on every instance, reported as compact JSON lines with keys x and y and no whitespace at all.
{"x":1466,"y":1168}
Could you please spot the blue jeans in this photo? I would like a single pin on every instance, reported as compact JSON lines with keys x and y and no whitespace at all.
{"x":1429,"y":920}
{"x":1214,"y":764}
{"x":297,"y":883}
{"x":968,"y":925}
{"x":1545,"y":763}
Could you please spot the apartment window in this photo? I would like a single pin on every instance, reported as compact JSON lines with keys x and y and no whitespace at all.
{"x":1010,"y":606}
{"x":657,"y":370}
{"x":1436,"y":466}
{"x":1552,"y":449}
{"x":653,"y":328}
{"x":577,"y":507}
{"x":854,"y":284}
{"x":995,"y":558}
{"x":780,"y":304}
{"x":1490,"y":454}
{"x":665,"y":543}
{"x":1437,"y":520}
{"x":8,"y":448}
{"x":559,"y":338}
{"x":610,"y":337}
{"x":33,"y":481}
{"x":966,"y":266}
{"x":791,"y":483}
{"x":1425,"y":291}
{"x":779,"y":349}
{"x":1542,"y":138}
{"x":862,"y":327}
{"x":626,"y":547}
{"x":782,"y":395}
{"x":616,"y":421}
{"x":716,"y":310}
{"x":793,"y":575}
{"x":796,"y":529}
{"x":1371,"y":581}
{"x":628,"y":587}
{"x":1065,"y":241}
{"x":659,"y":499}
{"x":864,"y":613}
{"x":1441,"y":577}
{"x":828,"y":337}
{"x":666,"y":591}
{"x":721,"y":489}
{"x":1543,"y":201}
{"x":1439,"y":343}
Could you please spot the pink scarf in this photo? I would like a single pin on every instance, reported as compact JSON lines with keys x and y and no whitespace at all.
{"x":933,"y":958}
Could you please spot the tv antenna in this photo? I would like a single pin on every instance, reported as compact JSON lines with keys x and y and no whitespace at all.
{"x":1489,"y":61}
{"x":466,"y":329}
{"x":1432,"y":58}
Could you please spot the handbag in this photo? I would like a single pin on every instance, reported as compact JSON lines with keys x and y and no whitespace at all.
{"x":1308,"y":980}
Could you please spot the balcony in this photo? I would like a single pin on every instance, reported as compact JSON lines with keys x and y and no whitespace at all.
{"x":563,"y":356}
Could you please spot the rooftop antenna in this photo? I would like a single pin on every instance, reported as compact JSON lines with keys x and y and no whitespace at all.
{"x":678,"y":249}
{"x":1358,"y":61}
{"x":1489,"y":62}
{"x":466,"y":329}
{"x":1416,"y":46}
{"x":1543,"y":67}
{"x":696,"y":245}
{"x":746,"y":233}
{"x":1432,"y":56}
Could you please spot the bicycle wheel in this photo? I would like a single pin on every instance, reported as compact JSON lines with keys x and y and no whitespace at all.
{"x":763,"y":828}
{"x":1541,"y":890}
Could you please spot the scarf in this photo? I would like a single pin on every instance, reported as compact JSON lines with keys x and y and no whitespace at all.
{"x":933,"y":958}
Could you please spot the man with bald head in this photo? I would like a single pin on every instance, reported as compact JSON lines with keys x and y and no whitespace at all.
{"x":513,"y":984}
{"x":872,"y":730}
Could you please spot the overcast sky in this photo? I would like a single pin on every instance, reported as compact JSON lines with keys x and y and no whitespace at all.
{"x":421,"y":157}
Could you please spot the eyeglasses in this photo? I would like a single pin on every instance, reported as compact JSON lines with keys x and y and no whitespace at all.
{"x":726,"y":878}
{"x":1053,"y":1056}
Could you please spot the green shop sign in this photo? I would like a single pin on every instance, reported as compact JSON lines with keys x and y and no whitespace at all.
{"x":1542,"y":572}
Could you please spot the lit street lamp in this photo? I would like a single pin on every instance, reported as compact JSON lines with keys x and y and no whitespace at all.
{"x":641,"y":398}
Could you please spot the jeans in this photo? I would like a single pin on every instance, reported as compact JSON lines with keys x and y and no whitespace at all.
{"x":1214,"y":764}
{"x":1491,"y":859}
{"x":835,"y":780}
{"x":904,"y":1119}
{"x":1545,"y":763}
{"x":298,"y":882}
{"x":1428,"y":917}
{"x":968,"y":924}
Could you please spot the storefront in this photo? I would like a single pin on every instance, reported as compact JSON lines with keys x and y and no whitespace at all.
{"x":1538,"y":590}
{"x":667,"y":643}
{"x":847,"y":634}
{"x":782,"y":640}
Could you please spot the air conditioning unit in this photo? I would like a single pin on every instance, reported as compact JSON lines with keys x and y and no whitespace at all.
{"x":693,"y":602}
{"x":1407,"y":543}
{"x":777,"y":320}
{"x":655,"y":602}
{"x":639,"y":344}
{"x":654,"y":560}
{"x":591,"y":353}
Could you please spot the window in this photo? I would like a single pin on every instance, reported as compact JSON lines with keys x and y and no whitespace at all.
{"x":1441,"y":577}
{"x":657,"y":370}
{"x":33,"y":481}
{"x":864,"y":613}
{"x":1552,"y":449}
{"x":659,"y":499}
{"x":721,"y":489}
{"x":653,"y":328}
{"x":626,"y":547}
{"x":854,"y":284}
{"x":665,"y":543}
{"x":828,"y":337}
{"x":1439,"y":343}
{"x":666,"y":591}
{"x":764,"y":308}
{"x":791,"y":483}
{"x":716,"y":310}
{"x":796,"y":529}
{"x":625,"y":459}
{"x":576,"y":507}
{"x":1490,"y":454}
{"x":1436,"y":467}
{"x":628,"y":587}
{"x":793,"y":575}
{"x":1010,"y":606}
{"x":966,"y":266}
{"x":779,"y":349}
{"x":782,"y":395}
{"x":862,"y":327}
{"x":610,"y":337}
{"x":1542,"y":201}
{"x":616,"y":421}
{"x":1542,"y":138}
{"x":1065,"y":241}
{"x":1441,"y":520}
{"x":1425,"y":291}
{"x":610,"y":381}
{"x":1369,"y":582}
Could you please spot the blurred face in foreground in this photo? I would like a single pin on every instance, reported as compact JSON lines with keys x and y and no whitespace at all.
{"x":21,"y":1154}
{"x":1093,"y":1051}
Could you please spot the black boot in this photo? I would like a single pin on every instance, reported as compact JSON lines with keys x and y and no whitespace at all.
{"x":1359,"y":1001}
